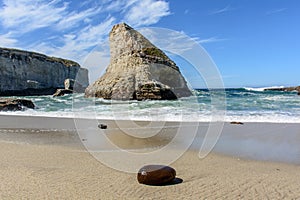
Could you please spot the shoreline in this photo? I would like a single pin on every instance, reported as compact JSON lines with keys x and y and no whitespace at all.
{"x":5,"y":116}
{"x":258,"y":141}
{"x":75,"y":115}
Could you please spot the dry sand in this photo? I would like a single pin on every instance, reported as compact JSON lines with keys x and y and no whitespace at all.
{"x":42,"y":164}
{"x":29,"y":171}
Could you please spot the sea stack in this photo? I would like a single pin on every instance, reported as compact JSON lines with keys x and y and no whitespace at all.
{"x":138,"y":70}
{"x":25,"y":73}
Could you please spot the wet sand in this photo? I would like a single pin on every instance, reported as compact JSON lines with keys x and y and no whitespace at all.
{"x":47,"y":160}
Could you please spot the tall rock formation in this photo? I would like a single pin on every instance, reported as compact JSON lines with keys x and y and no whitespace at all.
{"x":137,"y":70}
{"x":30,"y":73}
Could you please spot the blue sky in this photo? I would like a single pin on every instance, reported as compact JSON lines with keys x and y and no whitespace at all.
{"x":253,"y":42}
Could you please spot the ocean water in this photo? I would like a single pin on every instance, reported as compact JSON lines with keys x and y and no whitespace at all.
{"x":240,"y":104}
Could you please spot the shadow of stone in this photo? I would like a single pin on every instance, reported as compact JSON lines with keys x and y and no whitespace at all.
{"x":175,"y":181}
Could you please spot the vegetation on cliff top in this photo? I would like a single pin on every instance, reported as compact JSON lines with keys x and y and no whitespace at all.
{"x":155,"y":52}
{"x":65,"y":62}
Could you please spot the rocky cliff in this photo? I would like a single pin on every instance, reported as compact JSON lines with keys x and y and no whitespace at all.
{"x":137,"y":70}
{"x":30,"y":73}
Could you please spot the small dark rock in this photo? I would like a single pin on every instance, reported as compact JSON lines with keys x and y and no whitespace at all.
{"x":102,"y":126}
{"x":15,"y":104}
{"x":238,"y":123}
{"x":62,"y":92}
{"x":156,"y":175}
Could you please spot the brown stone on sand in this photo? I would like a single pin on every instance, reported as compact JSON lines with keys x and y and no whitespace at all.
{"x":156,"y":175}
{"x":102,"y":126}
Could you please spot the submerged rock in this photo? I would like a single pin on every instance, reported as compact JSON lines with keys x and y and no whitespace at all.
{"x":156,"y":175}
{"x":15,"y":104}
{"x":29,"y":73}
{"x":62,"y":92}
{"x":138,"y":70}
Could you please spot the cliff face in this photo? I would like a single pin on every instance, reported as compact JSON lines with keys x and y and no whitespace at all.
{"x":29,"y":73}
{"x":137,"y":70}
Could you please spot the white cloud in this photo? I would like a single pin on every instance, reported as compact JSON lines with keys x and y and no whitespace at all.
{"x":114,"y":5}
{"x":276,"y":11}
{"x":71,"y":19}
{"x":172,"y":41}
{"x":77,"y":45}
{"x":222,"y":10}
{"x":146,"y":12}
{"x":28,"y":15}
{"x":209,"y":40}
{"x":7,"y":40}
{"x":120,"y":6}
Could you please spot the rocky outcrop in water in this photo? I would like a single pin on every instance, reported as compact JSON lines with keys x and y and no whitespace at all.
{"x":138,"y":70}
{"x":30,"y":73}
{"x":62,"y":92}
{"x":285,"y":89}
{"x":71,"y":86}
{"x":15,"y":104}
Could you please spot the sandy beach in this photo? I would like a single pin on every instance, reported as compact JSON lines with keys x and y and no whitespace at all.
{"x":45,"y":163}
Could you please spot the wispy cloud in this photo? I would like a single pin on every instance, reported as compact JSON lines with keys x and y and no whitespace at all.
{"x":209,"y":40}
{"x":77,"y":45}
{"x":222,"y":10}
{"x":28,"y":15}
{"x":276,"y":11}
{"x":7,"y":40}
{"x":146,"y":12}
{"x":177,"y":42}
{"x":71,"y":19}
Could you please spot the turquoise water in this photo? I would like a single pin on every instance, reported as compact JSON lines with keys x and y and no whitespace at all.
{"x":242,"y":104}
